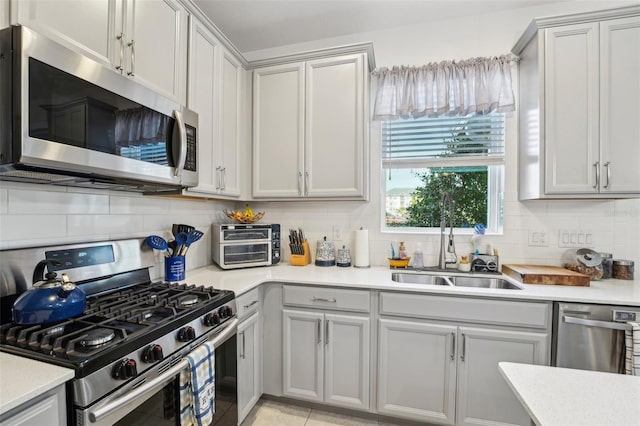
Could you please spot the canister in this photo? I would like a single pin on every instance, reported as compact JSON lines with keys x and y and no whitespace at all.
{"x":607,"y":265}
{"x":623,"y":269}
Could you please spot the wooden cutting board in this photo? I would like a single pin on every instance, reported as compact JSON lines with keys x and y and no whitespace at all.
{"x":543,"y":274}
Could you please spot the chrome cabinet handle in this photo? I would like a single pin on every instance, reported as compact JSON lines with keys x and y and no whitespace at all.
{"x":606,"y":166}
{"x":132,"y":45}
{"x":596,"y":323}
{"x":224,"y":177}
{"x":319,"y":330}
{"x":182,"y":155}
{"x":597,"y":166}
{"x":243,"y":346}
{"x":250,"y":304}
{"x":326,"y":332}
{"x":464,"y":346}
{"x":306,"y":183}
{"x":453,"y":346}
{"x":299,"y":183}
{"x":120,"y":37}
{"x":219,"y":180}
{"x":321,"y":299}
{"x":170,"y":374}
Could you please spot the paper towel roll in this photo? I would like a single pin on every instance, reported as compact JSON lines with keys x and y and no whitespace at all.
{"x":362,"y":249}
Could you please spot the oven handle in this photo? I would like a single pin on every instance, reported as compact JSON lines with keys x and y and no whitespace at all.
{"x":596,"y":323}
{"x":98,"y":413}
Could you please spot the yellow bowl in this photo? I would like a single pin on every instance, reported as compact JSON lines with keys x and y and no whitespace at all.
{"x":399,"y":263}
{"x":240,"y":217}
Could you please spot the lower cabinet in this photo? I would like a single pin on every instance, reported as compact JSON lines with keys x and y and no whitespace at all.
{"x":326,"y":357}
{"x":249,"y":364}
{"x":46,"y":409}
{"x":448,"y":374}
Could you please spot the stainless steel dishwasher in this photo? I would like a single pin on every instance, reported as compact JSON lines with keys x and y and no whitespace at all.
{"x":591,"y":337}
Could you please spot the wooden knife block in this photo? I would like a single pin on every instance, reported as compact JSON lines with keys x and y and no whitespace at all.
{"x":302,"y":259}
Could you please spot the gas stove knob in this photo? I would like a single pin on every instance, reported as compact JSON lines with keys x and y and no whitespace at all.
{"x":125,"y":369}
{"x":186,"y":334}
{"x":153,"y":353}
{"x":211,"y":319}
{"x":225,"y":312}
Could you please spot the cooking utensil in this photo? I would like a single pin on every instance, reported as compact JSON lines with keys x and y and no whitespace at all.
{"x":181,"y":239}
{"x":193,"y":236}
{"x":50,"y":299}
{"x":158,"y":243}
{"x":177,"y":228}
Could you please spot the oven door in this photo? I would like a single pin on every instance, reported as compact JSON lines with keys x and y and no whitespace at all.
{"x":157,"y":402}
{"x":244,"y":255}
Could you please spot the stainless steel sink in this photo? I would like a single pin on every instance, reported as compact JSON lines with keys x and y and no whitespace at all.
{"x":482,"y":282}
{"x":419,"y":278}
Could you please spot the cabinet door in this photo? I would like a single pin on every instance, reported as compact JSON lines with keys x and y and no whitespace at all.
{"x":230,"y":124}
{"x":278,"y":131}
{"x":620,"y":105}
{"x":480,"y":350}
{"x":249,"y":365}
{"x":303,"y":354}
{"x":334,"y":142}
{"x":156,"y":45}
{"x":416,"y":372}
{"x":84,"y":26}
{"x":571,"y":109}
{"x":346,"y":343}
{"x":204,"y":77}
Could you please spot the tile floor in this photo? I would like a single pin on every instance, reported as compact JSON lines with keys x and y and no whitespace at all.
{"x":275,"y":413}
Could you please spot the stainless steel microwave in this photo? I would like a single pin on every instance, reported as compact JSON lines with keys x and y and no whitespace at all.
{"x":245,"y":246}
{"x":68,"y":120}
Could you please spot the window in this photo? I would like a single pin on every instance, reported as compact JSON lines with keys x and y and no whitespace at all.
{"x":424,"y":157}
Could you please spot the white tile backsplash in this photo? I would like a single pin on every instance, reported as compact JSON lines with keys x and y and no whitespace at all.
{"x":57,"y":202}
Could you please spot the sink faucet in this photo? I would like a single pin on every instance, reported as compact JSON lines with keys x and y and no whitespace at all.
{"x":451,"y":248}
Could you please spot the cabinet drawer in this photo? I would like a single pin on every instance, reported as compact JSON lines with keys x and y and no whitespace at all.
{"x":500,"y":312}
{"x":327,"y":298}
{"x":248,"y":303}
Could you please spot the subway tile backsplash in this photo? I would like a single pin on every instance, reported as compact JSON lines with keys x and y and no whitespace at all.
{"x":33,"y":215}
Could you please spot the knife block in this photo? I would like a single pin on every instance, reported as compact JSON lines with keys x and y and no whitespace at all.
{"x":302,"y":259}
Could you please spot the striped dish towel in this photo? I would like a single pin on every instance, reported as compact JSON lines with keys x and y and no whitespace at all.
{"x":197,"y":387}
{"x":632,"y":346}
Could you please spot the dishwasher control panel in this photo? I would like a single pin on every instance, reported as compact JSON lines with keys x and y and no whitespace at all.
{"x":625,"y":316}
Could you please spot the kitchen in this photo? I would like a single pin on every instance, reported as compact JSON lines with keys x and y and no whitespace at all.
{"x":31,"y":215}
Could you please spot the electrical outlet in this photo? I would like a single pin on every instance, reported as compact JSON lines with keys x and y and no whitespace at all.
{"x":575,"y":238}
{"x":538,"y":238}
{"x":337,"y":233}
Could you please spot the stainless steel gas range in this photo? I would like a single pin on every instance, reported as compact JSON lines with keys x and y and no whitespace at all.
{"x":128,"y":345}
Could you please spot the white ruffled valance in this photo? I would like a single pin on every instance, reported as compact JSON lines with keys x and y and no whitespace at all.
{"x":477,"y":85}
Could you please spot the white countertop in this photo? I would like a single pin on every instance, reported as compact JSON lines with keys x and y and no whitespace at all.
{"x":567,"y":397}
{"x":612,"y":291}
{"x":23,"y":379}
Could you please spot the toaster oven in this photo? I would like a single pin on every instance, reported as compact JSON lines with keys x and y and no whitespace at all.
{"x":245,"y":245}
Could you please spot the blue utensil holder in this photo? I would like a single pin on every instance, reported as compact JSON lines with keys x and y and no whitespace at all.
{"x":174,"y":268}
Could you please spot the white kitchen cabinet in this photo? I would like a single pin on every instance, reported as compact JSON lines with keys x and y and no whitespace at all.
{"x":417,"y":370}
{"x":579,"y":106}
{"x":46,"y":409}
{"x":249,"y":364}
{"x":483,"y":396}
{"x":438,"y":356}
{"x":143,"y":39}
{"x":310,"y":129}
{"x":214,"y":92}
{"x":4,"y":14}
{"x":326,"y":358}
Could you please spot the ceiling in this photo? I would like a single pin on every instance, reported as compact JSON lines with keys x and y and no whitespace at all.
{"x":262,"y":24}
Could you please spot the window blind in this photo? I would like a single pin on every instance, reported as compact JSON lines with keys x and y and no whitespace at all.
{"x":443,"y":141}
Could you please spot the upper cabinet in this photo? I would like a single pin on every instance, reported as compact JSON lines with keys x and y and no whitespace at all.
{"x":215,"y":88}
{"x":310,"y":128}
{"x":579,"y":106}
{"x":143,"y":39}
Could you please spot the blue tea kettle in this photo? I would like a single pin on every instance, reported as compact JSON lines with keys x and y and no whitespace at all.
{"x":50,"y":299}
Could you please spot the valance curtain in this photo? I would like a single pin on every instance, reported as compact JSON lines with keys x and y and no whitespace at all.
{"x":477,"y":85}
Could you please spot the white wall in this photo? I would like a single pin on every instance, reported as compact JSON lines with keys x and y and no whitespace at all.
{"x":33,"y":215}
{"x":615,"y":224}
